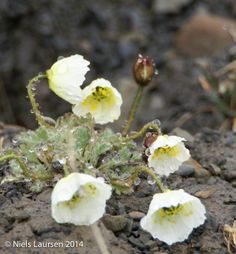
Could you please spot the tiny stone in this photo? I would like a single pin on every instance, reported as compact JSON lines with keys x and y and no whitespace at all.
{"x":115,"y":223}
{"x":230,"y":164}
{"x":212,"y":180}
{"x":234,"y":184}
{"x":136,"y":215}
{"x":136,"y":242}
{"x":229,"y":175}
{"x":151,"y":244}
{"x":214,"y":170}
{"x":186,"y":170}
{"x":202,"y":173}
{"x":183,"y":134}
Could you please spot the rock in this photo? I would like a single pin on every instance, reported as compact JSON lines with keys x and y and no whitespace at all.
{"x":115,"y":223}
{"x":234,"y":183}
{"x":136,"y":215}
{"x":186,"y":170}
{"x":151,"y":244}
{"x":136,"y":242}
{"x":205,"y":193}
{"x":230,"y":164}
{"x":214,"y":170}
{"x":169,"y":6}
{"x":183,"y":134}
{"x":199,"y":171}
{"x":204,"y":35}
{"x":229,"y":175}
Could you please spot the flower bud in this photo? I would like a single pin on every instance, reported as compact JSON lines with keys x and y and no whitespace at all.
{"x":149,"y":139}
{"x":143,"y":70}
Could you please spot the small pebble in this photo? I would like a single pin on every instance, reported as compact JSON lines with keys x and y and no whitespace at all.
{"x":229,"y":175}
{"x":186,"y":170}
{"x":214,"y":170}
{"x":230,"y":164}
{"x":115,"y":223}
{"x":234,"y":184}
{"x":136,"y":242}
{"x":136,"y":215}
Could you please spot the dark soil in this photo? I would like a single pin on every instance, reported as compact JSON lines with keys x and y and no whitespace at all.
{"x":25,"y":217}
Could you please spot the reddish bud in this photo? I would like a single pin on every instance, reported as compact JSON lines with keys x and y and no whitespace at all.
{"x":149,"y":139}
{"x":143,"y":70}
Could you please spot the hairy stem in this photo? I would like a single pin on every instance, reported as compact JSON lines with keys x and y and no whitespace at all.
{"x":35,"y":106}
{"x":133,"y":110}
{"x":154,"y":176}
{"x":26,"y":172}
{"x":19,"y":160}
{"x":149,"y":126}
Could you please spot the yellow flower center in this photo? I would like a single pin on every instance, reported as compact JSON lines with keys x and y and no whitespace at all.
{"x":87,"y":191}
{"x":99,"y":95}
{"x":167,"y":150}
{"x":172,"y":212}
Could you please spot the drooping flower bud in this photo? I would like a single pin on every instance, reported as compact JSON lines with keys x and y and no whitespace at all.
{"x":143,"y":70}
{"x":149,"y":139}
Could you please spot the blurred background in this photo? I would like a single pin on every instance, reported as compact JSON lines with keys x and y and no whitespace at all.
{"x":181,"y":36}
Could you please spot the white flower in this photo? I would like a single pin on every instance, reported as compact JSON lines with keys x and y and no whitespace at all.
{"x":101,"y":100}
{"x":79,"y":199}
{"x":66,"y":76}
{"x":167,"y":153}
{"x":173,"y":215}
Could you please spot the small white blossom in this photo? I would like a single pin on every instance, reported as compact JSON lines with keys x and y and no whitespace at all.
{"x":167,"y":153}
{"x":101,"y":100}
{"x":173,"y":215}
{"x":79,"y":199}
{"x":66,"y":76}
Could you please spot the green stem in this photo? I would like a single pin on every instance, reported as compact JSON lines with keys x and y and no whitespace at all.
{"x":154,"y":176}
{"x":133,"y":110}
{"x":19,"y":160}
{"x":35,"y":106}
{"x":149,"y":126}
{"x":66,"y":170}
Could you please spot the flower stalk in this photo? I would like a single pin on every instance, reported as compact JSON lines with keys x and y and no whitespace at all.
{"x":154,"y":176}
{"x":133,"y":110}
{"x":149,"y":126}
{"x":35,"y":106}
{"x":13,"y":156}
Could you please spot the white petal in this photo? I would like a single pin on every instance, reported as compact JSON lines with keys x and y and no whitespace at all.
{"x":66,"y":76}
{"x":167,"y":153}
{"x":81,"y":212}
{"x":165,"y":140}
{"x":184,"y":154}
{"x":104,"y":111}
{"x":176,"y":227}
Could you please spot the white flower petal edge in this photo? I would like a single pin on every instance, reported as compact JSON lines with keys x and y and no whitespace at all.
{"x":66,"y":76}
{"x":79,"y":199}
{"x":167,"y":153}
{"x":173,"y":215}
{"x":101,"y":100}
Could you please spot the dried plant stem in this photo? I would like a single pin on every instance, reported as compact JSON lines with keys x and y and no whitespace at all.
{"x":133,"y":110}
{"x":35,"y":106}
{"x":154,"y":176}
{"x":99,"y":239}
{"x":149,"y":126}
